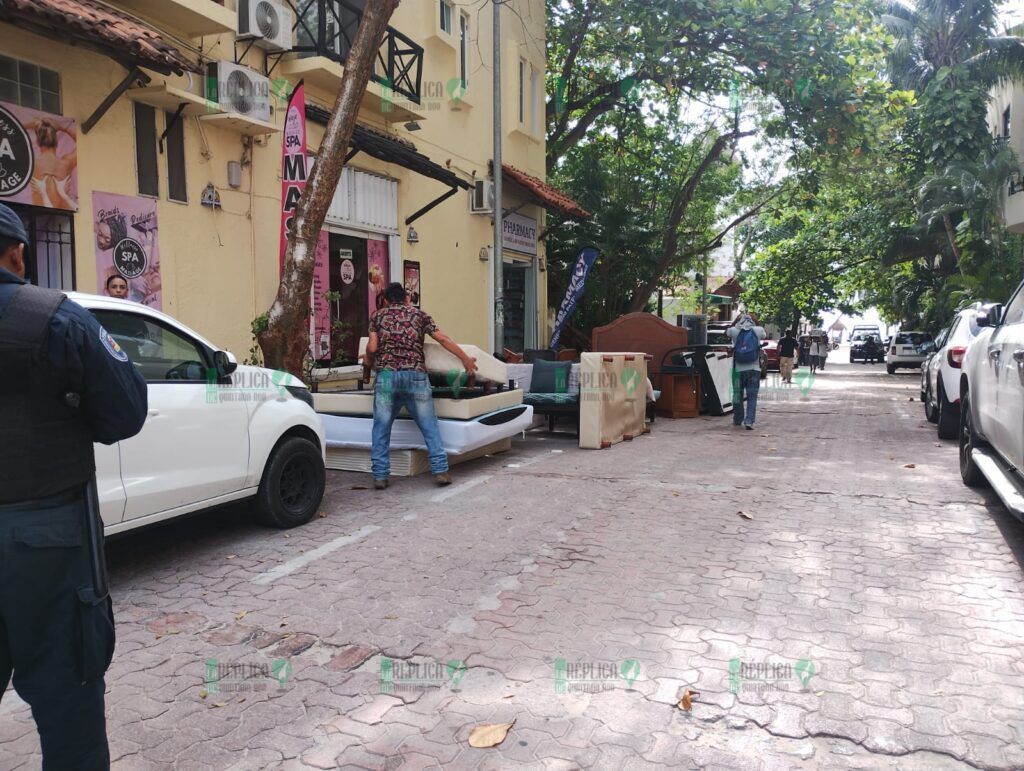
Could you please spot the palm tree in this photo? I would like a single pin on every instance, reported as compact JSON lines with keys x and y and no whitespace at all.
{"x":948,"y":33}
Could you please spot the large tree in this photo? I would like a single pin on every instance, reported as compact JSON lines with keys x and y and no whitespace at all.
{"x":284,"y":339}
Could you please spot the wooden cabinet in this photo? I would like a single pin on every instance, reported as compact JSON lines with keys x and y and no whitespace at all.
{"x":680,"y":395}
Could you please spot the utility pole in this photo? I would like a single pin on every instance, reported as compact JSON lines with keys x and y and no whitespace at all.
{"x":499,"y":209}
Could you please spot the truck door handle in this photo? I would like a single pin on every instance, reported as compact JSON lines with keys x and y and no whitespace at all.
{"x":1018,"y":356}
{"x":994,"y":354}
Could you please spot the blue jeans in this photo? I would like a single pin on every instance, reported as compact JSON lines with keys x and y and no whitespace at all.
{"x":393,"y":390}
{"x":746,"y":382}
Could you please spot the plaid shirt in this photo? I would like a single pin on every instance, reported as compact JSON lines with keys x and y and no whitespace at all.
{"x":400,"y":331}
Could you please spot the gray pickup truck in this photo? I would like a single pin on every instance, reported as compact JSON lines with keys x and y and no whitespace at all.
{"x":992,"y":404}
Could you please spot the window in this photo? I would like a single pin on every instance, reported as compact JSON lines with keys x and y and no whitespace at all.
{"x":536,"y":102}
{"x":522,"y":91}
{"x":176,"y":189}
{"x":161,"y":353}
{"x":446,"y":16}
{"x":464,"y":49}
{"x":1014,"y":313}
{"x":145,"y":150}
{"x":29,"y":85}
{"x":51,"y":249}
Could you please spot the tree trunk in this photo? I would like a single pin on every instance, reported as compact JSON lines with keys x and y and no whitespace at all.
{"x":285,"y":340}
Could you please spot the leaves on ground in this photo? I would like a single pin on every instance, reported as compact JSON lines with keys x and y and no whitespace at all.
{"x":744,"y":515}
{"x":359,"y":487}
{"x":489,"y":735}
{"x":241,"y":614}
{"x":686,"y":703}
{"x":909,"y":465}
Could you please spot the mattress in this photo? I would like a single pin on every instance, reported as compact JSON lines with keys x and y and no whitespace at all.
{"x":361,"y":403}
{"x":405,"y":463}
{"x":457,"y":436}
{"x":441,"y":362}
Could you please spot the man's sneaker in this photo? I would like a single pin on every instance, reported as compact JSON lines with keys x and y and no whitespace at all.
{"x":748,"y":426}
{"x":380,"y":484}
{"x":442,"y":480}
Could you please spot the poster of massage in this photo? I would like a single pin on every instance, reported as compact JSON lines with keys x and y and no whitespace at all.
{"x":377,"y":272}
{"x":127,"y":247}
{"x":38,"y":158}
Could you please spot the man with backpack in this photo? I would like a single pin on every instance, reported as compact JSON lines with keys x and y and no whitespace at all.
{"x":746,"y":368}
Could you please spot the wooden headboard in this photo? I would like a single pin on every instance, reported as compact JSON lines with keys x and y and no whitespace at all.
{"x":640,"y":332}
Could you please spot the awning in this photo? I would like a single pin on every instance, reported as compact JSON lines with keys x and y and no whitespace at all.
{"x":100,"y":27}
{"x":391,"y":149}
{"x":730,"y":289}
{"x":720,"y":299}
{"x":544,"y":194}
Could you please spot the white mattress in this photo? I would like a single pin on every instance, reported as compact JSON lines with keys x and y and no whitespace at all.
{"x":361,"y":403}
{"x":441,"y":362}
{"x":457,"y":436}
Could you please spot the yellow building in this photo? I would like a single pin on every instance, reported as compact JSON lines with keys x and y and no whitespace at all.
{"x":143,"y":139}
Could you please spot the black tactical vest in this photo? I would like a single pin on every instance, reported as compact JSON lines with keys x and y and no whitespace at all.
{"x":45,"y":444}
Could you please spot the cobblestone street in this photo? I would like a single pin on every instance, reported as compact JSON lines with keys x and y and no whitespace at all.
{"x":866,"y":613}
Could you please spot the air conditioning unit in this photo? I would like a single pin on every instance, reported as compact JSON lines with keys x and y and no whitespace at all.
{"x":238,"y":89}
{"x":268,"y":22}
{"x":481,"y":197}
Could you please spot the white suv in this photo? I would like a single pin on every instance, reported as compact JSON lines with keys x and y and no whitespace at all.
{"x":992,"y":404}
{"x":216,"y":432}
{"x":941,"y":372}
{"x":904,"y":351}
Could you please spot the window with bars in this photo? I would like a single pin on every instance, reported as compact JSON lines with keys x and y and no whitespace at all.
{"x":50,"y":253}
{"x":29,"y":85}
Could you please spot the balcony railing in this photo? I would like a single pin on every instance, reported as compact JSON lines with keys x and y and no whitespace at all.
{"x":328,"y":28}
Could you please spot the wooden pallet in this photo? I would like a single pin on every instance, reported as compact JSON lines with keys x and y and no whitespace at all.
{"x":406,"y":463}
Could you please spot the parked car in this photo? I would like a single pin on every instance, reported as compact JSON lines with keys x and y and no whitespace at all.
{"x":865,"y":329}
{"x":992,"y":403}
{"x":771,"y":355}
{"x":904,"y":351}
{"x":216,"y":431}
{"x":866,"y":347}
{"x":941,"y":371}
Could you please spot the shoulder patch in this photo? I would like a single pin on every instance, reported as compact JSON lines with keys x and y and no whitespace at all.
{"x":111,"y":345}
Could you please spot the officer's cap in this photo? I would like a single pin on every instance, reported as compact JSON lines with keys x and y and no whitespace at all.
{"x":11,"y":225}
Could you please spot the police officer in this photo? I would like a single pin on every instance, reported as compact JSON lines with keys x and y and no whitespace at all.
{"x":64,"y":384}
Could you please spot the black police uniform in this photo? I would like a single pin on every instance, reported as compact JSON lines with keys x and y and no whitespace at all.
{"x":56,"y":632}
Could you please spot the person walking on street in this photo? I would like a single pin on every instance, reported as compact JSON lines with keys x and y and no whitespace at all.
{"x":396,"y":348}
{"x":787,"y":351}
{"x":746,"y":372}
{"x":66,"y":384}
{"x":817,"y":353}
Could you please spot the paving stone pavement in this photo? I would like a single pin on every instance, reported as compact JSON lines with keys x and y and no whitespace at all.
{"x":868,"y":615}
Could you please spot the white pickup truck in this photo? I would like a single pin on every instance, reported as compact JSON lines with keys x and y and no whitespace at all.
{"x":992,"y":404}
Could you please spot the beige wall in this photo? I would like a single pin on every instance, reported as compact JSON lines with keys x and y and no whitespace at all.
{"x":220,"y":267}
{"x":1010,"y":95}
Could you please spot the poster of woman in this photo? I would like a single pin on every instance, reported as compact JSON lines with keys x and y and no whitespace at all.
{"x":39,"y":163}
{"x":412,"y":281}
{"x":127,"y":248}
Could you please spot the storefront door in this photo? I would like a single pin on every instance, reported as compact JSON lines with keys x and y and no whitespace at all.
{"x":514,"y":292}
{"x":349,"y":304}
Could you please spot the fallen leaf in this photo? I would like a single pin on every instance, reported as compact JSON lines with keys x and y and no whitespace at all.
{"x":203,"y":694}
{"x":241,"y":614}
{"x":771,"y":449}
{"x":675,"y":495}
{"x":390,"y":618}
{"x":686,"y":703}
{"x":744,"y":515}
{"x":359,"y":487}
{"x":220,"y":704}
{"x":489,"y":735}
{"x":323,"y":514}
{"x":909,"y":465}
{"x":232,"y":556}
{"x":938,"y":444}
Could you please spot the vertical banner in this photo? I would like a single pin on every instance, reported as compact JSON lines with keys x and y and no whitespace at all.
{"x":321,"y":339}
{"x":411,"y":281}
{"x":293,"y":162}
{"x":127,"y":248}
{"x":574,"y":291}
{"x":377,"y":262}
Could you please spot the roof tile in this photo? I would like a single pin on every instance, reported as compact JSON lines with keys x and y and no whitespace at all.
{"x":551,"y":197}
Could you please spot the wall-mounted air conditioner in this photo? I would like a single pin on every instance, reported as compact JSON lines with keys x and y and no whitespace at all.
{"x":481,"y":197}
{"x":238,"y":89}
{"x":268,"y":22}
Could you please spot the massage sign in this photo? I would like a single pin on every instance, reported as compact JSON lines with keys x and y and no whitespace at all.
{"x":16,"y":157}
